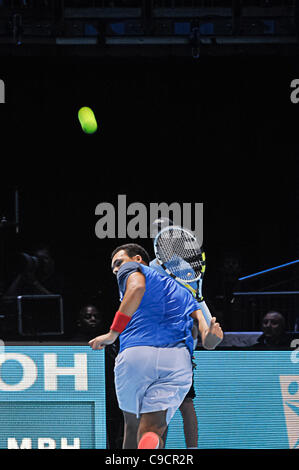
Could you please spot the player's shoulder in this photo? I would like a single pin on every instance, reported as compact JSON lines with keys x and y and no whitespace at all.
{"x":128,"y":268}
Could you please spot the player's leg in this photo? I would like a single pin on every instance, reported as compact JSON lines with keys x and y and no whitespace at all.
{"x":190,"y":423}
{"x":174,"y":372}
{"x":132,"y":379}
{"x":151,"y":429}
{"x":131,"y":424}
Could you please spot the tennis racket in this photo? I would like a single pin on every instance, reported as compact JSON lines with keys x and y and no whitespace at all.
{"x":179,"y":254}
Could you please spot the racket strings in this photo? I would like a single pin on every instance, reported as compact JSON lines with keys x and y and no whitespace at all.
{"x":181,"y":254}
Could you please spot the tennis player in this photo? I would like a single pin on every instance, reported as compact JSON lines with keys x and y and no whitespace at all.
{"x":153,"y":370}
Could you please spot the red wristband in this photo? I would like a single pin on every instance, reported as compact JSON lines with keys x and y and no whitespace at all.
{"x":120,"y":322}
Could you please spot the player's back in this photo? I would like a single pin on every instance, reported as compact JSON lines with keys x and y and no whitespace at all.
{"x":163,"y":317}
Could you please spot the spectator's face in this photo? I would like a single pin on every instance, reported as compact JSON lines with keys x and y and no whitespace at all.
{"x":272,"y":325}
{"x":90,"y":317}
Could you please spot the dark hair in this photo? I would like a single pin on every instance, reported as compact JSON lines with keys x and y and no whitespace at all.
{"x":279,"y":315}
{"x":132,"y":249}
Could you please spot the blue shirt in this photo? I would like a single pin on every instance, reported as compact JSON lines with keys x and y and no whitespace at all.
{"x":163,"y":316}
{"x":155,"y":265}
{"x":201,"y":304}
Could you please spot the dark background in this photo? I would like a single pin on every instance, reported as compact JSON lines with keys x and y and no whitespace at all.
{"x":218,"y":130}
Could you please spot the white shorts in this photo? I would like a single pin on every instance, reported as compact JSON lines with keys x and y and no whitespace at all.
{"x":149,"y":379}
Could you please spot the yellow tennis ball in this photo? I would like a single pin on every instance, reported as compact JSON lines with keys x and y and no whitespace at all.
{"x":87,"y":120}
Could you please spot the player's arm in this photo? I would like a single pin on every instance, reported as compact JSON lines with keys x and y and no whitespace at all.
{"x":134,"y":293}
{"x":211,"y":336}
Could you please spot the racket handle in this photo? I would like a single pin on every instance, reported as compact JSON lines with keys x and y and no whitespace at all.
{"x":206,"y":312}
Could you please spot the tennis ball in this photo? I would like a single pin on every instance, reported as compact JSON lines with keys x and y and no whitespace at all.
{"x":87,"y":120}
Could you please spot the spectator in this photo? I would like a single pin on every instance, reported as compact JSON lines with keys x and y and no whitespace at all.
{"x":274,"y":332}
{"x":89,"y":323}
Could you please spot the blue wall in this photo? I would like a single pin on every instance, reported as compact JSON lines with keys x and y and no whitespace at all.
{"x":49,"y":409}
{"x":245,"y":399}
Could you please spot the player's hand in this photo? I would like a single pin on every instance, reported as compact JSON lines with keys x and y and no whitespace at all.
{"x":104,"y":340}
{"x":213,"y":336}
